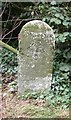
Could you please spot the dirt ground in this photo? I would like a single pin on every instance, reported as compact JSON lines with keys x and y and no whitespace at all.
{"x":12,"y":107}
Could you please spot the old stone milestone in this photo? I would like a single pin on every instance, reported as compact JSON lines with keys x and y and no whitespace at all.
{"x":36,"y":51}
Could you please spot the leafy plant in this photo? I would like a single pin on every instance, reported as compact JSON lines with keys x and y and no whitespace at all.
{"x":8,"y":62}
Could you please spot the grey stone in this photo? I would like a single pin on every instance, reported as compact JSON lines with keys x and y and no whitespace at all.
{"x":36,"y":52}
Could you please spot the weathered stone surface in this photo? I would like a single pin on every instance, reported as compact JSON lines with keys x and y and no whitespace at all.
{"x":36,"y":51}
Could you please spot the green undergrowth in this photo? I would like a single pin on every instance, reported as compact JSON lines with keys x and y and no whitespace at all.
{"x":8,"y":62}
{"x":50,"y":98}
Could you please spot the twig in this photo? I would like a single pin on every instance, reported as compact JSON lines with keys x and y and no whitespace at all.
{"x":25,"y":20}
{"x":11,"y":30}
{"x":8,"y":47}
{"x":3,"y":10}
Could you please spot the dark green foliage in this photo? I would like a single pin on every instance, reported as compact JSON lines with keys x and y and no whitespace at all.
{"x":9,"y":62}
{"x":58,"y":17}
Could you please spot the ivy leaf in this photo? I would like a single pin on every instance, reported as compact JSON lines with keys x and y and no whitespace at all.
{"x":53,"y":2}
{"x":61,"y":38}
{"x":59,"y":15}
{"x":69,"y":55}
{"x":66,"y":33}
{"x":62,"y":17}
{"x":41,"y":96}
{"x":56,"y":20}
{"x":64,"y":68}
{"x":65,"y":23}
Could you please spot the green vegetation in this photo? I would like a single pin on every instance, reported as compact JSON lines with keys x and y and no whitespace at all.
{"x":9,"y":62}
